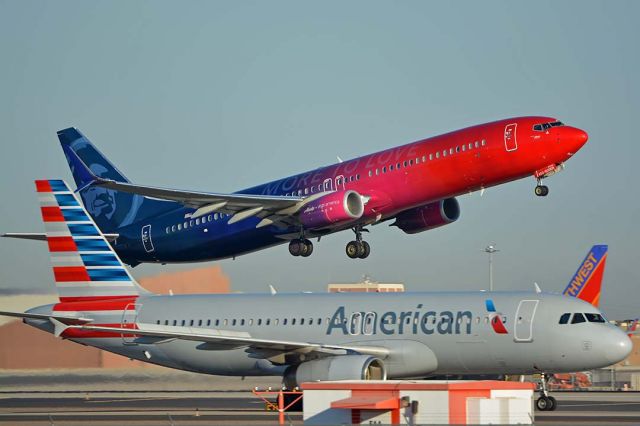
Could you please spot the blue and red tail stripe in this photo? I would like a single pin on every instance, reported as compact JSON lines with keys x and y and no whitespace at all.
{"x":85,"y":266}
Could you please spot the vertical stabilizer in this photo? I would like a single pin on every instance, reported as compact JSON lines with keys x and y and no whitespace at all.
{"x":85,"y":267}
{"x":586,"y":283}
{"x":109,"y":209}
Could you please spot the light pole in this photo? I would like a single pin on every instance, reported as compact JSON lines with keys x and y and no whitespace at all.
{"x":490,"y":249}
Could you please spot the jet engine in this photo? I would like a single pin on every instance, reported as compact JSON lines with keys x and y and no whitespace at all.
{"x":340,"y":206}
{"x":429,"y":216}
{"x":346,"y":367}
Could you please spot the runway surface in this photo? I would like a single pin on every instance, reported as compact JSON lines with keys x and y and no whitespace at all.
{"x":160,"y":399}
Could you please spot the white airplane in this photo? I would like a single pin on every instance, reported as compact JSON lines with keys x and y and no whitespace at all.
{"x":309,"y":337}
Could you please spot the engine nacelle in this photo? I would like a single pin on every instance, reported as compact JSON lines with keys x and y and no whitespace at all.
{"x":346,"y":367}
{"x":340,"y":206}
{"x":429,"y":216}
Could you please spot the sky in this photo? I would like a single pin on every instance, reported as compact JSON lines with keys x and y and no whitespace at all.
{"x":220,"y":96}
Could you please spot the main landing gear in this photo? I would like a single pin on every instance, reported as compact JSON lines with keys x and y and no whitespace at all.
{"x":541,"y":190}
{"x":301,"y":247}
{"x":358,"y":249}
{"x":545,"y":402}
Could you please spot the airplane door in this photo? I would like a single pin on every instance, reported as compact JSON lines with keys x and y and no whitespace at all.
{"x":146,"y":239}
{"x":129,"y":318}
{"x":524,"y":321}
{"x":510,"y":140}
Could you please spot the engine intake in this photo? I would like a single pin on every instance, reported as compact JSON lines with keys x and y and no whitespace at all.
{"x":429,"y":216}
{"x":340,"y":206}
{"x":346,"y":367}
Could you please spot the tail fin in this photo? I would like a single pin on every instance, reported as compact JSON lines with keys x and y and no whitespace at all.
{"x":85,"y":266}
{"x":632,"y":328}
{"x":586,"y":283}
{"x":109,"y":209}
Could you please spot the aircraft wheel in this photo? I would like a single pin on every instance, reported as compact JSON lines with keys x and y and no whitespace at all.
{"x":554,"y":403}
{"x":541,"y":190}
{"x":295,"y":247}
{"x":544,"y":403}
{"x":353,"y":249}
{"x":307,"y":248}
{"x":366,"y":250}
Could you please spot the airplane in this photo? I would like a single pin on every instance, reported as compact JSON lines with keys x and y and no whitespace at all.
{"x":309,"y":336}
{"x":415,"y":185}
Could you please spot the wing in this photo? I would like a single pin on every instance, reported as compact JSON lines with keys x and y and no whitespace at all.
{"x":273,"y":210}
{"x":236,"y":339}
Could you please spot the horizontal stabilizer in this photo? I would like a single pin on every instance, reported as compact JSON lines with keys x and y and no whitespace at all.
{"x":67,"y":320}
{"x":41,"y":236}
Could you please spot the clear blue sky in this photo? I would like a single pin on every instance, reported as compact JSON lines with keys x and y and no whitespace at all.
{"x":219,"y":96}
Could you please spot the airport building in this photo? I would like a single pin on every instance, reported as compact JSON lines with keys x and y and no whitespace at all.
{"x":366,"y":286}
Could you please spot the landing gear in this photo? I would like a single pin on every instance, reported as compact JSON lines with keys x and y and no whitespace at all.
{"x":545,"y":402}
{"x":358,"y":249}
{"x":301,"y":247}
{"x":541,"y":190}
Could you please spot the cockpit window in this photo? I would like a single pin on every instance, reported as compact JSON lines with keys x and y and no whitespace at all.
{"x":578,"y":318}
{"x":594,"y":318}
{"x":564,"y":318}
{"x":545,"y":126}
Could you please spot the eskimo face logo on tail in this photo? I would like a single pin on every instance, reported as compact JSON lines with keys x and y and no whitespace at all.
{"x":495,"y":318}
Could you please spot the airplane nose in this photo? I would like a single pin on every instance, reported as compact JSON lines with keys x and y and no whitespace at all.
{"x":577,"y":137}
{"x":618,"y":348}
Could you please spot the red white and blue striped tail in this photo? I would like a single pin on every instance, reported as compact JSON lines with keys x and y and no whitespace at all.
{"x":85,"y":266}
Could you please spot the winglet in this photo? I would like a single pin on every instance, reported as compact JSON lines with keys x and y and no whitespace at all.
{"x":586,"y":283}
{"x":58,"y":327}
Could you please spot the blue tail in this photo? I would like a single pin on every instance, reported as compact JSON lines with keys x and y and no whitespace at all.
{"x":110,"y":209}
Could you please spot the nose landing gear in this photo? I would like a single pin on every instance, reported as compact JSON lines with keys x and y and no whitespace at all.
{"x":545,"y":402}
{"x":541,"y":190}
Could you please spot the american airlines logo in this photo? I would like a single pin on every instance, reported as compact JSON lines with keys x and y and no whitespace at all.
{"x":496,"y":318}
{"x":405,"y":322}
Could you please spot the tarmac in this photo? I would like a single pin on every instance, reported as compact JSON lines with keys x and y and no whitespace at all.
{"x":162,"y":397}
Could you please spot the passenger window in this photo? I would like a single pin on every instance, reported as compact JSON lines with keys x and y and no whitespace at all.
{"x":166,"y":322}
{"x":578,"y":318}
{"x":234,"y":322}
{"x":484,"y":142}
{"x":451,"y":151}
{"x":185,"y":225}
{"x":357,"y":177}
{"x":404,"y":163}
{"x":306,"y":190}
{"x":210,"y":218}
{"x":457,"y":149}
{"x":391,"y":168}
{"x":319,"y":321}
{"x":470,"y":146}
{"x":179,"y":226}
{"x":184,"y":322}
{"x":208,"y":323}
{"x":411,"y":162}
{"x":564,"y":319}
{"x":293,"y":321}
{"x":242,"y":321}
{"x":464,"y":147}
{"x":191,"y":223}
{"x":594,"y":318}
{"x":251,"y":321}
{"x":424,"y":158}
{"x":477,"y":144}
{"x":217,"y":323}
{"x":284,"y":321}
{"x":430,"y":156}
{"x":438,"y":154}
{"x":444,"y":153}
{"x":199,"y":323}
{"x":301,"y":321}
{"x":370,"y":173}
{"x":166,"y":231}
{"x":384,"y":169}
{"x":215,"y":216}
{"x":173,"y":228}
{"x":259,"y":321}
{"x":175,"y":322}
{"x":397,"y":166}
{"x":198,"y":221}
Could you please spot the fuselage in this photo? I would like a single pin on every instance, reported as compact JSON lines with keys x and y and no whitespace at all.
{"x":394,"y":180}
{"x":426,"y":333}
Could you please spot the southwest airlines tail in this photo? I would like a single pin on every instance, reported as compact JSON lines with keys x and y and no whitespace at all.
{"x":587,"y":281}
{"x":109,"y":209}
{"x":85,"y":267}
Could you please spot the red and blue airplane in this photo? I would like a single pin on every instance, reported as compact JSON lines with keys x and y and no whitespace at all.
{"x":415,"y":185}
